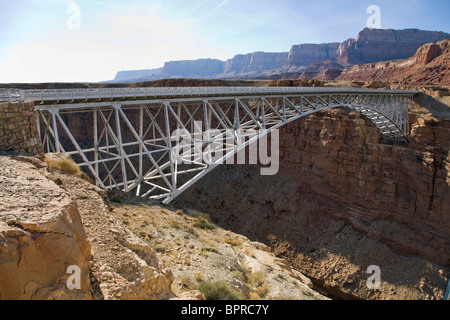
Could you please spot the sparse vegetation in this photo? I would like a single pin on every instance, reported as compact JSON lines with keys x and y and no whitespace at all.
{"x":203,"y":224}
{"x":66,"y":165}
{"x":257,"y":278}
{"x":233,"y":242}
{"x":174,"y":224}
{"x":219,"y":290}
{"x":178,"y":238}
{"x":210,"y":250}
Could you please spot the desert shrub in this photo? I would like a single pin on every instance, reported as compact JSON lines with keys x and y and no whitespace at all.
{"x":214,"y":250}
{"x":219,"y":290}
{"x":257,"y":278}
{"x":203,"y":224}
{"x":233,"y":242}
{"x":66,"y":165}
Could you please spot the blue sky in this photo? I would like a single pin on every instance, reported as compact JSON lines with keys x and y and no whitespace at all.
{"x":42,"y":42}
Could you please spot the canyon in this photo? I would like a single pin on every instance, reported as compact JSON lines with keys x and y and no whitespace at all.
{"x":343,"y":201}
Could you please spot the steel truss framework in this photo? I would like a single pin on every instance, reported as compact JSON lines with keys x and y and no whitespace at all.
{"x":157,"y":148}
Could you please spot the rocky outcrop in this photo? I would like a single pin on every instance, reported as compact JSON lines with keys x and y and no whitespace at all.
{"x":41,"y":236}
{"x":254,"y":63}
{"x":375,"y":45}
{"x":54,"y":227}
{"x":122,"y":266}
{"x":429,"y":65}
{"x":306,"y":54}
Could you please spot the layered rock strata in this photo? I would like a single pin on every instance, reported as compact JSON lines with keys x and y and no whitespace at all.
{"x":343,"y":199}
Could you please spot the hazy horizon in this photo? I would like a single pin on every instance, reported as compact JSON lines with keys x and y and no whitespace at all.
{"x":92,"y":40}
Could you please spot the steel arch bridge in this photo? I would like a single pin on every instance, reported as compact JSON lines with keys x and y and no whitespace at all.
{"x":157,"y":142}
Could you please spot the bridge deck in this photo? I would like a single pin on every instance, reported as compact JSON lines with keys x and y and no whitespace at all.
{"x":71,"y":96}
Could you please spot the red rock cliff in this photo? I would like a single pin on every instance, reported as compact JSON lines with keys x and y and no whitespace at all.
{"x":430,"y":64}
{"x":374,"y":45}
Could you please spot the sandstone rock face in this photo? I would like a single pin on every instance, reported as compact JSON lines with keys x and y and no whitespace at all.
{"x":41,"y":236}
{"x":429,"y":64}
{"x":394,"y":194}
{"x":306,"y":54}
{"x":374,"y":45}
{"x":51,"y":222}
{"x":123,"y":266}
{"x":342,"y":194}
{"x":254,"y":62}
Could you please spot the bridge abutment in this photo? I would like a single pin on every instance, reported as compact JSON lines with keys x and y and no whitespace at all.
{"x":18,"y":129}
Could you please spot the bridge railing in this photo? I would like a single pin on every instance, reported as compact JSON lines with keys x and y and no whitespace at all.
{"x":11,"y":95}
{"x":86,"y":94}
{"x":118,"y":93}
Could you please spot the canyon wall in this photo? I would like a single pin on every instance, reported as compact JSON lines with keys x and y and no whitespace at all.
{"x":371,"y":45}
{"x":392,"y":193}
{"x":306,"y":54}
{"x":254,"y":62}
{"x":374,"y":45}
{"x":342,"y":201}
{"x":429,"y":65}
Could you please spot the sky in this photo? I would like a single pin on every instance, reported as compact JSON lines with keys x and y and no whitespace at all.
{"x":91,"y":40}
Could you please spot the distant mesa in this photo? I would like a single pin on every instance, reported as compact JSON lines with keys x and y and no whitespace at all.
{"x":136,"y":74}
{"x":304,"y":61}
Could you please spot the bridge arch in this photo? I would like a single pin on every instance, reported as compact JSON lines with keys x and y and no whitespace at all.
{"x":126,"y":138}
{"x":389,"y":130}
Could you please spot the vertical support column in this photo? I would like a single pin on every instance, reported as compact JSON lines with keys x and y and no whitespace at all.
{"x":173,"y":165}
{"x":116,"y":107}
{"x":96,"y":143}
{"x":263,"y":114}
{"x":207,"y":134}
{"x":237,"y":121}
{"x":141,"y":150}
{"x":55,"y":129}
{"x":38,"y":123}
